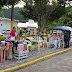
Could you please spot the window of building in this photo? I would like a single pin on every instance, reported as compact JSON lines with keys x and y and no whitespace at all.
{"x":1,"y":24}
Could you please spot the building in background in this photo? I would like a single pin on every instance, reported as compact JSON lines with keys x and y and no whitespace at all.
{"x":5,"y":24}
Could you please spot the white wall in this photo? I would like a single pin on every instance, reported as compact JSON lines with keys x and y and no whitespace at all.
{"x":6,"y":25}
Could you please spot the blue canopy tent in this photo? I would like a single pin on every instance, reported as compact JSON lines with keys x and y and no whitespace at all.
{"x":63,"y":28}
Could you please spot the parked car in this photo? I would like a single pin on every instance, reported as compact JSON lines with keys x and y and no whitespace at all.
{"x":6,"y":31}
{"x":1,"y":34}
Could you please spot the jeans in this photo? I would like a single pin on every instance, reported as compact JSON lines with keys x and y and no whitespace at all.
{"x":67,"y":43}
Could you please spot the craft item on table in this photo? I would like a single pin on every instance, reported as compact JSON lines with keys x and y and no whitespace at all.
{"x":10,"y":44}
{"x":20,"y":41}
{"x":20,"y":47}
{"x":3,"y":42}
{"x":20,"y":38}
{"x":7,"y":38}
{"x":55,"y":38}
{"x":44,"y":42}
{"x":1,"y":48}
{"x":40,"y":43}
{"x":6,"y":47}
{"x":24,"y":49}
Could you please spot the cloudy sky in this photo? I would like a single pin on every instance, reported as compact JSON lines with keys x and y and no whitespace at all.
{"x":21,"y":4}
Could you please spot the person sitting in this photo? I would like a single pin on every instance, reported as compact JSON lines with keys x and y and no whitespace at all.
{"x":57,"y":37}
{"x":28,"y":33}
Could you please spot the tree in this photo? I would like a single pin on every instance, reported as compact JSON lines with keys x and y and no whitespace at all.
{"x":66,"y":19}
{"x":28,"y":12}
{"x":12,"y":3}
{"x":61,"y":2}
{"x":57,"y":13}
{"x":2,"y":3}
{"x":39,"y":10}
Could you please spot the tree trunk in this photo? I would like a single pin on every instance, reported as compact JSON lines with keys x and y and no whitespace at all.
{"x":41,"y":22}
{"x":12,"y":16}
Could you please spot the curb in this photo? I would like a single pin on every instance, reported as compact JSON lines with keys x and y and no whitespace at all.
{"x":35,"y":61}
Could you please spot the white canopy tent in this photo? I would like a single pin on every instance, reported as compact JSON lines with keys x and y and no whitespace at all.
{"x":22,"y":25}
{"x":30,"y":24}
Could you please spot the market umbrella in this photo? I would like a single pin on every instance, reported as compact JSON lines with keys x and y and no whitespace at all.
{"x":63,"y":28}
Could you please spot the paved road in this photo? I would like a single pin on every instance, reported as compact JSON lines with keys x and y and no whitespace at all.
{"x":60,"y":63}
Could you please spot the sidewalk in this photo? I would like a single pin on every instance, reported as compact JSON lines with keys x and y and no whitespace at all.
{"x":31,"y":56}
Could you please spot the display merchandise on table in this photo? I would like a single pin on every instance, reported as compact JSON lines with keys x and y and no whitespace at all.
{"x":3,"y":53}
{"x":8,"y":44}
{"x":55,"y":42}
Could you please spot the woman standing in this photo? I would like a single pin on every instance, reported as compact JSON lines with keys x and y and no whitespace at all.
{"x":14,"y":34}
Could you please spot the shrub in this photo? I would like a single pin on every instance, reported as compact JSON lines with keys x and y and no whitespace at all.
{"x":2,"y":39}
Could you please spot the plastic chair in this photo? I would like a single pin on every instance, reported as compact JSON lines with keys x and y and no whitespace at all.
{"x":45,"y":40}
{"x":28,"y":44}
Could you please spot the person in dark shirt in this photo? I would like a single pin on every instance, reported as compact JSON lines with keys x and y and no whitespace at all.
{"x":26,"y":30}
{"x":66,"y":39}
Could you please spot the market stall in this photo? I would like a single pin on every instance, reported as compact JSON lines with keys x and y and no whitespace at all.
{"x":30,"y":25}
{"x":65,"y":28}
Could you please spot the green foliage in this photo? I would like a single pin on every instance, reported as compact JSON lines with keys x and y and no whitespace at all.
{"x":12,"y":2}
{"x":28,"y":12}
{"x":61,"y":16}
{"x":7,"y":13}
{"x":38,"y":10}
{"x":62,"y":2}
{"x":21,"y":33}
{"x":2,"y":3}
{"x":66,"y":19}
{"x":57,"y":13}
{"x":2,"y":39}
{"x":51,"y":24}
